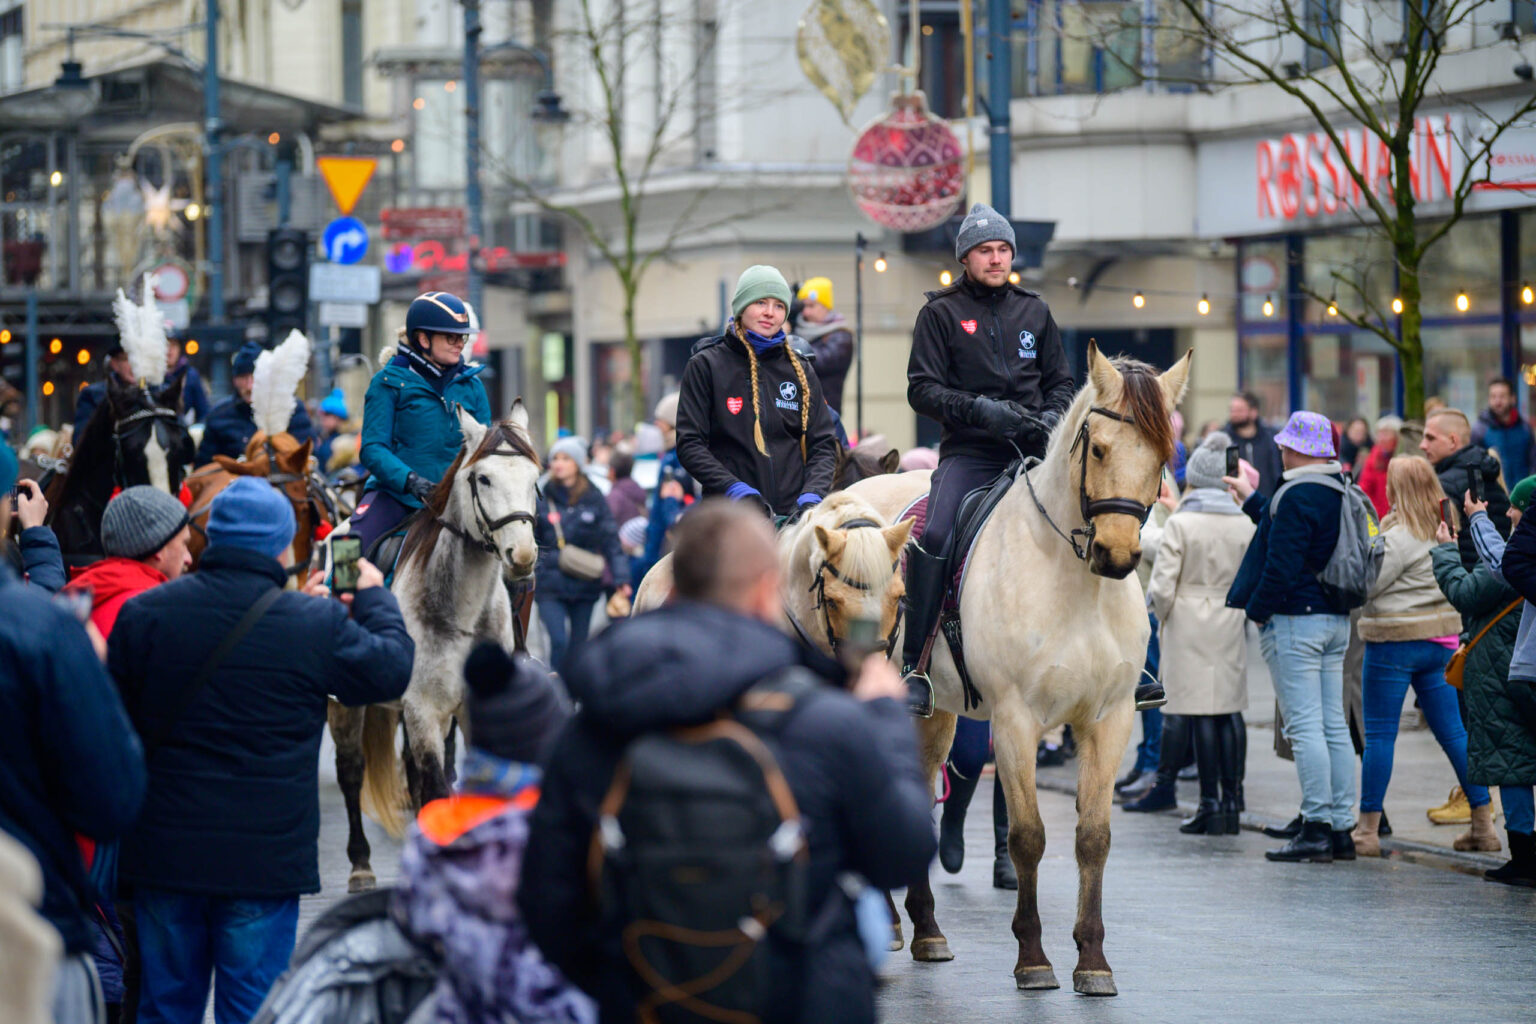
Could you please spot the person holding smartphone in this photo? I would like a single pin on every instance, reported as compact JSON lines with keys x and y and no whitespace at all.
{"x":36,"y":556}
{"x":1410,"y":631}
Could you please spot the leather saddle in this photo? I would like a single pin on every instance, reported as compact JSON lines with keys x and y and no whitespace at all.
{"x":385,"y":552}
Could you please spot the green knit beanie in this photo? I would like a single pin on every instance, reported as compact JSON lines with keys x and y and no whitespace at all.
{"x":759,"y":282}
{"x":1522,"y":494}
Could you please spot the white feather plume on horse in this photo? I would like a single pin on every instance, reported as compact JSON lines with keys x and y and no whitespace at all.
{"x":142,"y":330}
{"x":278,"y":373}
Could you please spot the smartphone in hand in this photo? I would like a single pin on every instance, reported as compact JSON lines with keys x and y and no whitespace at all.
{"x":346,"y":552}
{"x":1475,"y":486}
{"x":1448,"y":512}
{"x":863,"y":639}
{"x":1232,"y":466}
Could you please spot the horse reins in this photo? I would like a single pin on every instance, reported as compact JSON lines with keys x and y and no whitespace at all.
{"x":487,"y":526}
{"x":1081,"y":538}
{"x":819,"y":588}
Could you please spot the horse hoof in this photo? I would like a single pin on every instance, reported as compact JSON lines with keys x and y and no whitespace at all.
{"x":1036,"y":978}
{"x":361,"y":881}
{"x":931,"y":951}
{"x":1094,"y":983}
{"x":897,"y":942}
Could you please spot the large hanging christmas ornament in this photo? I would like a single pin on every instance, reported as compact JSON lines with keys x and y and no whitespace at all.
{"x":843,"y":45}
{"x":907,"y":171}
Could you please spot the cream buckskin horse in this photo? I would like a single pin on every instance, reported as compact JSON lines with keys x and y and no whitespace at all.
{"x":837,"y":564}
{"x":1055,"y":632}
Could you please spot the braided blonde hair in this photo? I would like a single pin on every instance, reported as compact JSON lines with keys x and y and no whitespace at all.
{"x":805,"y":391}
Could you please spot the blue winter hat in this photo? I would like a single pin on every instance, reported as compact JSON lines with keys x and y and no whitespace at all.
{"x":9,"y":468}
{"x":245,"y":360}
{"x":335,"y":403}
{"x":251,"y":514}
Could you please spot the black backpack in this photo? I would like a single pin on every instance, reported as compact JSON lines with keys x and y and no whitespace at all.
{"x":699,"y":853}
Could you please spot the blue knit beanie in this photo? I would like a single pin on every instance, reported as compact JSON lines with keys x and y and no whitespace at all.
{"x":335,"y":403}
{"x":251,"y":514}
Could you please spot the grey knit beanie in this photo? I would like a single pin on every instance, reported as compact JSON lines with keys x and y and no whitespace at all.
{"x":140,"y":521}
{"x":1208,"y":463}
{"x":983,"y":224}
{"x":574,"y":447}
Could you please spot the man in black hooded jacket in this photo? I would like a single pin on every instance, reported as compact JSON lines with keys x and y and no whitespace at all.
{"x":1447,"y":443}
{"x":849,"y":758}
{"x":988,"y":364}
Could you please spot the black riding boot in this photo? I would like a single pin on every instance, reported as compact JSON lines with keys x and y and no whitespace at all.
{"x":952,"y":819}
{"x":1149,"y":694}
{"x":925,"y":598}
{"x":1230,"y":771}
{"x":1208,"y":819}
{"x":1003,"y":875}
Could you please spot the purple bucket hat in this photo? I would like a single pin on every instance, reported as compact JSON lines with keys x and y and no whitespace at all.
{"x":1308,"y":433}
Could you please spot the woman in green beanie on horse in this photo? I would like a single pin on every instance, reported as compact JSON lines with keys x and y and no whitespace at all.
{"x":752,"y":422}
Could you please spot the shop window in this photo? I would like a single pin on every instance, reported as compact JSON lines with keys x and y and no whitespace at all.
{"x":12,"y":38}
{"x":1465,"y":260}
{"x":1459,"y":360}
{"x":1340,"y":265}
{"x":1263,"y":373}
{"x":1523,"y":14}
{"x":1348,"y":373}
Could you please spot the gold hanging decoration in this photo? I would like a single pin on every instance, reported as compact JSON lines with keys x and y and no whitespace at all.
{"x":843,"y":45}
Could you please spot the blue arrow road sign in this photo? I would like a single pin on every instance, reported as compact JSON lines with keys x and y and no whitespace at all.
{"x":345,"y":240}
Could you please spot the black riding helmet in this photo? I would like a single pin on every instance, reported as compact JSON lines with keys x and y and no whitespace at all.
{"x":437,"y":313}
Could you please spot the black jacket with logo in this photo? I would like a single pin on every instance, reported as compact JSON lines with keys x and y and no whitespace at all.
{"x":714,"y":425}
{"x":997,"y":342}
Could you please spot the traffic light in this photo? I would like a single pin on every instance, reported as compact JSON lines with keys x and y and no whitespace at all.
{"x":287,"y":283}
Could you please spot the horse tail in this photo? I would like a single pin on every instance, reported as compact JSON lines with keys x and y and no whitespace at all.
{"x":383,"y":792}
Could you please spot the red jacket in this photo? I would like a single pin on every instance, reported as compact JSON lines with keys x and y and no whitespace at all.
{"x":1372,"y":478}
{"x":113,"y":581}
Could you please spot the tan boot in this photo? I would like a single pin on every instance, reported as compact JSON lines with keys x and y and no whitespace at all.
{"x":1455,"y":810}
{"x":1366,"y":836}
{"x":1481,"y":836}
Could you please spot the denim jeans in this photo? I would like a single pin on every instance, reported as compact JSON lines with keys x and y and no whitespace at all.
{"x":185,"y":939}
{"x":1151,"y":745}
{"x":1519,"y":808}
{"x":1390,"y":669}
{"x":1305,"y":654}
{"x":565,"y":639}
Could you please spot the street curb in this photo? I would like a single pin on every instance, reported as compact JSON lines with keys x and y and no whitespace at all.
{"x":1405,"y":850}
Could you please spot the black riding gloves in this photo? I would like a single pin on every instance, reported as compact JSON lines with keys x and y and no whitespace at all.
{"x":419,"y":487}
{"x":1036,"y":432}
{"x":1001,"y":419}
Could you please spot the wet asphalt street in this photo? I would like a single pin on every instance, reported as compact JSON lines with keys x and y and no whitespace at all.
{"x":1199,"y":929}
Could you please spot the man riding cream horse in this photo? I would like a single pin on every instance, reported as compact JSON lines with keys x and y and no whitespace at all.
{"x":988,"y":364}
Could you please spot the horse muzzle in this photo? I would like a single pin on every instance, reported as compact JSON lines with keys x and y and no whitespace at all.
{"x":1115,"y":564}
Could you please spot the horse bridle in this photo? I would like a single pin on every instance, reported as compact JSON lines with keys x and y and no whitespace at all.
{"x":819,"y":588}
{"x":155,"y":412}
{"x":487,"y":526}
{"x":1081,"y":538}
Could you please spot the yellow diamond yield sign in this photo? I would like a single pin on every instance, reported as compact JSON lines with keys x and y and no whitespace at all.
{"x":346,"y":176}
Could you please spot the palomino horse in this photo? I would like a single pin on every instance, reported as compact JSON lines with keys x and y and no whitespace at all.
{"x":837,"y":564}
{"x":1055,"y":632}
{"x":448,"y":580}
{"x":282,"y":462}
{"x":135,"y":437}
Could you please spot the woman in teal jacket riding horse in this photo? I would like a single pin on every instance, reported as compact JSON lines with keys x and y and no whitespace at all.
{"x":410,"y":430}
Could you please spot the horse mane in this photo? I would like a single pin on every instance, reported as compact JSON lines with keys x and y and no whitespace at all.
{"x":1141,"y":398}
{"x":866,"y":557}
{"x":425,"y":532}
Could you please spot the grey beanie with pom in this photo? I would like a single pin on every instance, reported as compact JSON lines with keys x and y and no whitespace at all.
{"x":1208,"y":463}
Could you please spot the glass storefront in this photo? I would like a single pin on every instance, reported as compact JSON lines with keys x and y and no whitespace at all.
{"x":1344,"y":371}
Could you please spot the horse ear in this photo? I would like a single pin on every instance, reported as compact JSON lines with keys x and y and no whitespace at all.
{"x":831,"y":544}
{"x":474,"y":430}
{"x":299,"y":458}
{"x":890,"y":462}
{"x":171,"y":396}
{"x":896,"y":536}
{"x":518,"y":417}
{"x":234,"y":467}
{"x":1106,"y":379}
{"x":1175,"y":380}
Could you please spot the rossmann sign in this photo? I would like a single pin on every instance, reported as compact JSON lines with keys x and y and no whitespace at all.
{"x":1303,"y":175}
{"x":1278,"y":183}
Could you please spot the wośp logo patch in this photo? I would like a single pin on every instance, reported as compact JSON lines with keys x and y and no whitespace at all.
{"x":1027,"y":345}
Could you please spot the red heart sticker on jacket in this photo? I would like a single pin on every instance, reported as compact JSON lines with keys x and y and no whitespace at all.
{"x":733,"y":404}
{"x":968,"y":326}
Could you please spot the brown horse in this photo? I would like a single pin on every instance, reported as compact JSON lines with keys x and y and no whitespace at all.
{"x":284,"y":463}
{"x":858,"y":464}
